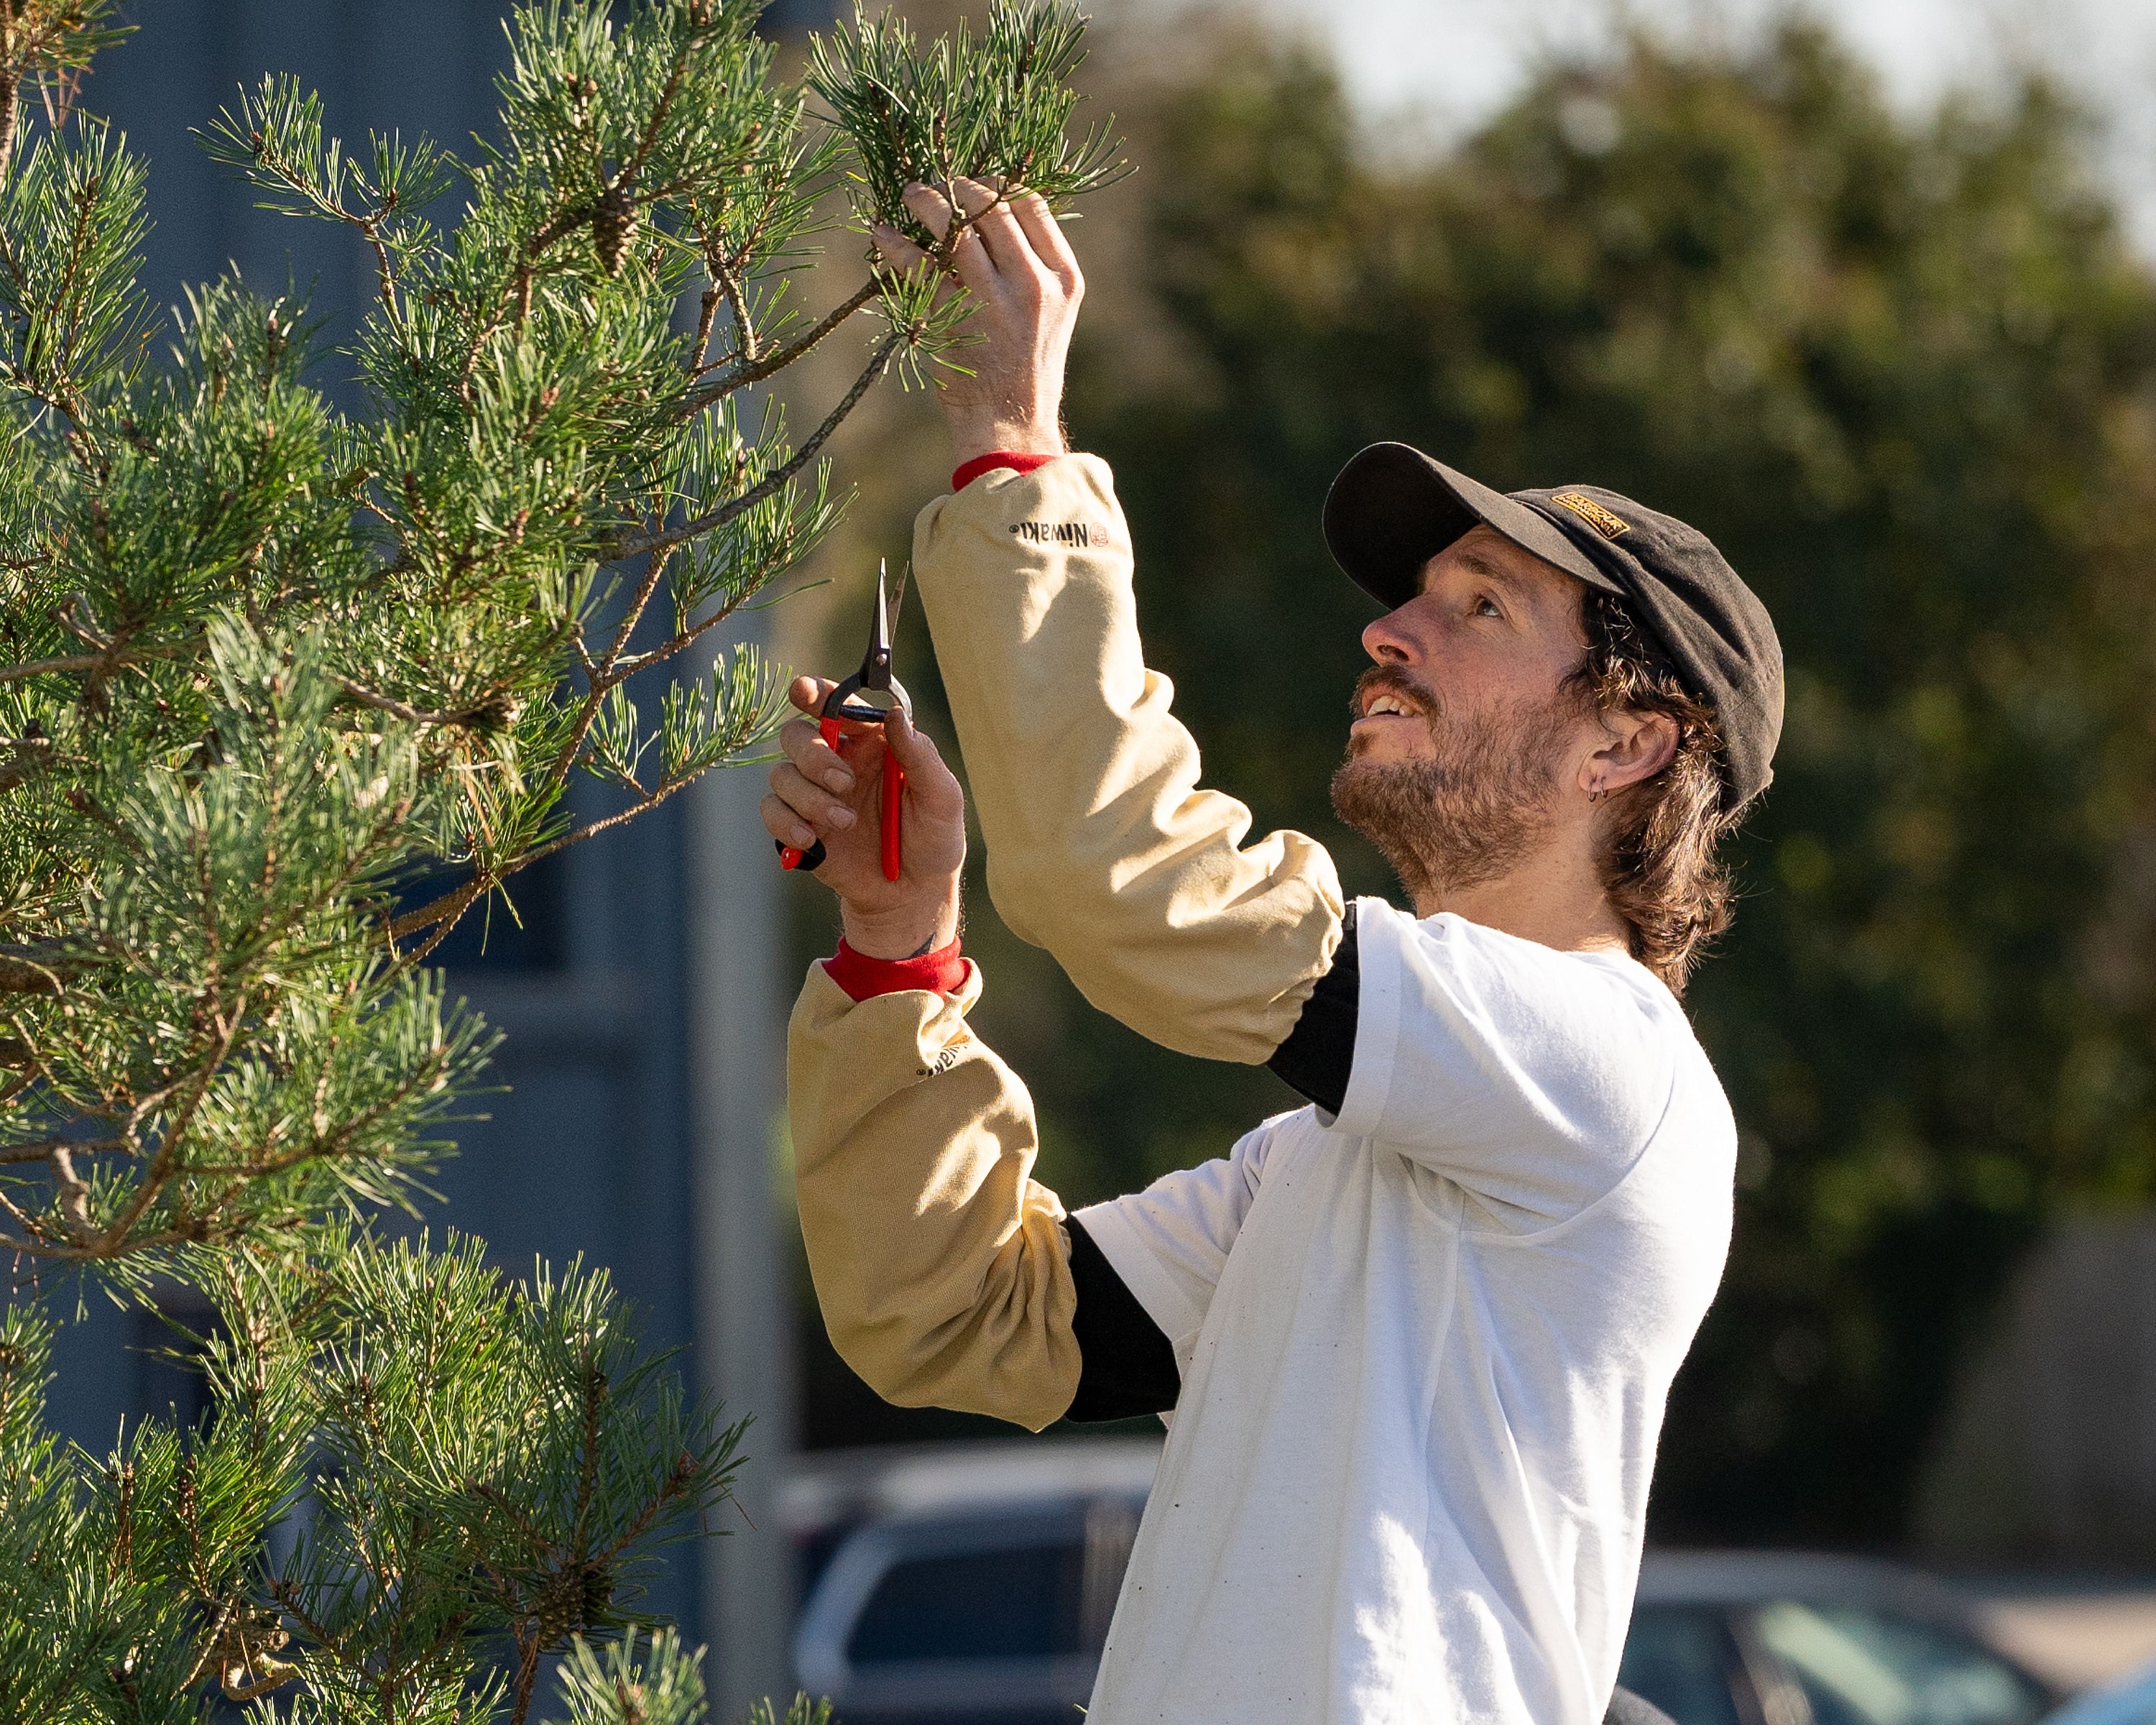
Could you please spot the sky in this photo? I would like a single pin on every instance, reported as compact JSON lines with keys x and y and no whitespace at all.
{"x":1452,"y":62}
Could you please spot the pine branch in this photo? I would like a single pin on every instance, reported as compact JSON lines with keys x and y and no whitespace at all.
{"x":25,"y":758}
{"x":726,"y":277}
{"x":43,"y":1149}
{"x":487,"y":715}
{"x":640,"y":545}
{"x":753,"y":369}
{"x":440,"y":913}
{"x":36,"y":969}
{"x":102,"y":664}
{"x":366,"y":223}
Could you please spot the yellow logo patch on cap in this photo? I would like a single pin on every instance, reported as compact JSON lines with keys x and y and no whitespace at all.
{"x":1609,"y":526}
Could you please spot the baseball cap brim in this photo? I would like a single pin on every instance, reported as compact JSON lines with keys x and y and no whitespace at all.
{"x":1392,"y":508}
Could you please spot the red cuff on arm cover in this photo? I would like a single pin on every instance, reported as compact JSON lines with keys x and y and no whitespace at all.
{"x":967,"y":471}
{"x":864,"y":978}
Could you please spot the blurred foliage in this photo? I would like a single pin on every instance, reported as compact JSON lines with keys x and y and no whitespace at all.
{"x":1904,"y":373}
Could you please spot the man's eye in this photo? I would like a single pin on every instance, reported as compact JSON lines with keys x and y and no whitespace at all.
{"x":1487,"y":608}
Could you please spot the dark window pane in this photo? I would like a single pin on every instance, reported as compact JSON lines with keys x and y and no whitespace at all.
{"x":1858,"y":1666}
{"x":1017,"y":1603}
{"x":1681,"y":1660}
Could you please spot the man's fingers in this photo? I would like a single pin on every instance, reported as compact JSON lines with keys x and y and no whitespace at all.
{"x":810,"y":800}
{"x":969,"y":258}
{"x":974,"y":196}
{"x":929,"y":207}
{"x":912,"y":750}
{"x":901,"y":255}
{"x":971,"y":264}
{"x":802,"y":740}
{"x":804,"y":746}
{"x":1045,"y":234}
{"x":1008,"y":248}
{"x":784,"y":824}
{"x":897,"y":251}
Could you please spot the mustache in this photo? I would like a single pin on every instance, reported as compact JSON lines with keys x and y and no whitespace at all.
{"x":1393,"y":680}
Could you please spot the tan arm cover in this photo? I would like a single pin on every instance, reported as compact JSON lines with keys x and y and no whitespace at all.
{"x":942,"y":1269}
{"x":1101,"y":846}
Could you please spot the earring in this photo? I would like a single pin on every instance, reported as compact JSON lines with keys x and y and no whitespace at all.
{"x":1598,"y":792}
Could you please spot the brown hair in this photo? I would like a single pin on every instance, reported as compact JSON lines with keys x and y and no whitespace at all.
{"x":1659,"y":837}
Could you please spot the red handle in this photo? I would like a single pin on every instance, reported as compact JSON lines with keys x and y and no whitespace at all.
{"x":894,"y":794}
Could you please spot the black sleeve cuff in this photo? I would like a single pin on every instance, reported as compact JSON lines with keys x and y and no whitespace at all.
{"x":1319,"y":1053}
{"x":1127,"y":1366}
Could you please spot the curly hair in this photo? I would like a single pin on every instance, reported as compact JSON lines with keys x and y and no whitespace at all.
{"x":1660,"y":838}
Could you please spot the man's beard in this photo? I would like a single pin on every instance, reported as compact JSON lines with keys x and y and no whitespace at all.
{"x":1472,"y":811}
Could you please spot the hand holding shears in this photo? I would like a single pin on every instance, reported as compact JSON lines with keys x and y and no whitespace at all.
{"x":865,"y":800}
{"x":847,"y":701}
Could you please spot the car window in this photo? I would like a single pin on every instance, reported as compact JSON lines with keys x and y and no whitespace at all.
{"x":1681,"y":1659}
{"x":1004,"y":1602}
{"x":1859,"y":1666}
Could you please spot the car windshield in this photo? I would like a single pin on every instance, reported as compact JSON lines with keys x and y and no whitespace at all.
{"x":1858,"y":1666}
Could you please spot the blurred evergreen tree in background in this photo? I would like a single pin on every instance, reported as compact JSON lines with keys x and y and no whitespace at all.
{"x":1904,"y":373}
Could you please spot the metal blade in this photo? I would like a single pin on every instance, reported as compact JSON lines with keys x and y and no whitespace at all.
{"x":876,"y":668}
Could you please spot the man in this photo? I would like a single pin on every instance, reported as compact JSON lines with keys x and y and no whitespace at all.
{"x":1415,"y":1339}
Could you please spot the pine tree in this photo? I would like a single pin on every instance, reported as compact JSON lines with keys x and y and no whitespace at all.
{"x":285,"y":694}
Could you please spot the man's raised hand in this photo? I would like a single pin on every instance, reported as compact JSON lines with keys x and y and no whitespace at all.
{"x":834,"y":795}
{"x":1012,"y":258}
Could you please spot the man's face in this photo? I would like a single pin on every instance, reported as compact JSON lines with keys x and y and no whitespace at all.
{"x":1464,"y":739}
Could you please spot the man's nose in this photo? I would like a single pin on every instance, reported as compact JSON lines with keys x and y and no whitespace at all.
{"x":1386,"y":643}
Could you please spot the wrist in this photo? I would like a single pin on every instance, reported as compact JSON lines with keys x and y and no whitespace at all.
{"x":998,"y":435}
{"x":903,"y":931}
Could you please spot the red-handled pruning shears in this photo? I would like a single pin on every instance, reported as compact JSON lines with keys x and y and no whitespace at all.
{"x":843,"y":702}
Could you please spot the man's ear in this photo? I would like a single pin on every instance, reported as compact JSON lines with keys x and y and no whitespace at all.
{"x":1636,"y":746}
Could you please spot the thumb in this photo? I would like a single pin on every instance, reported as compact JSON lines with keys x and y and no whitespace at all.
{"x":911,"y":749}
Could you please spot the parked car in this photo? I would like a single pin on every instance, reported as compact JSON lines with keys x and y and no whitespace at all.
{"x":964,"y":1583}
{"x":1776,"y":1638}
{"x":972,"y":1584}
